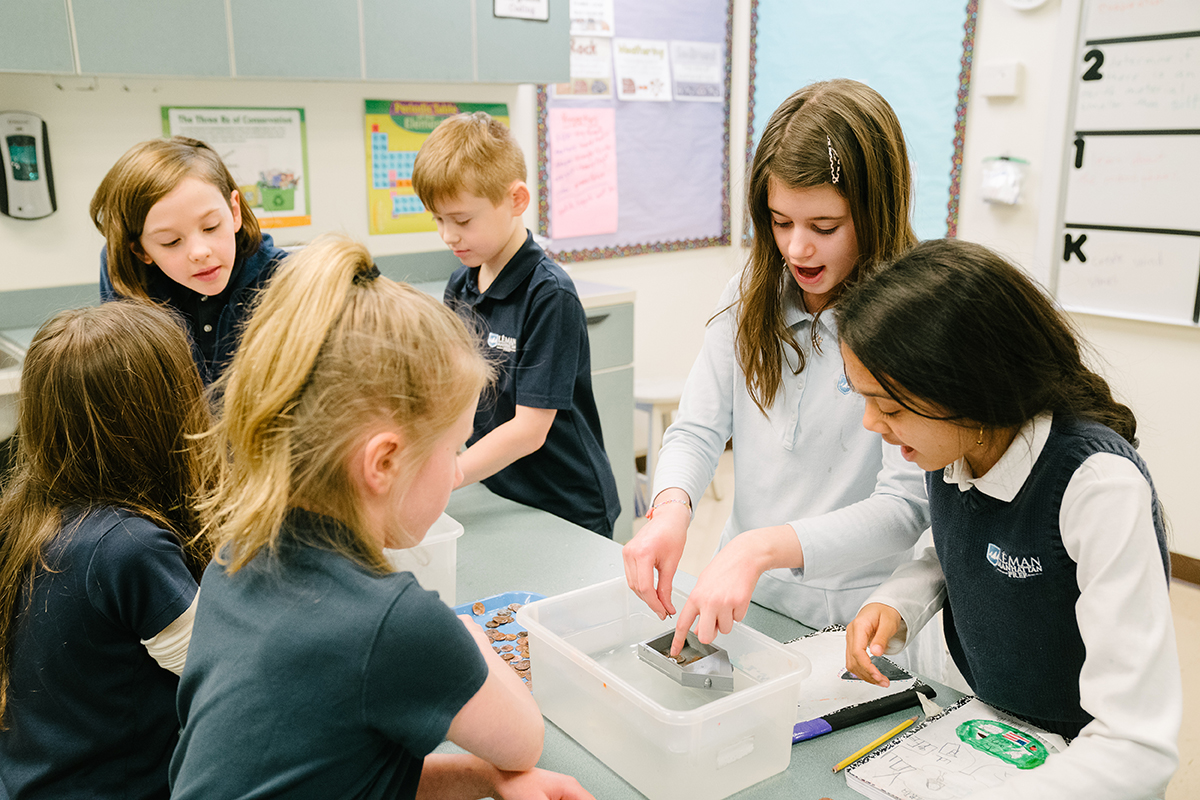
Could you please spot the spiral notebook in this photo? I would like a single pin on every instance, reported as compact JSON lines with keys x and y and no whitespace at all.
{"x":966,"y":749}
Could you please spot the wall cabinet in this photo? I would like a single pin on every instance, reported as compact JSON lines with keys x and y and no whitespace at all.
{"x":610,"y":334}
{"x":458,"y":41}
{"x":184,"y":38}
{"x":37,"y":37}
{"x":296,"y":39}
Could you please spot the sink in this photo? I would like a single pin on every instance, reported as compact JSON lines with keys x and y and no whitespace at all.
{"x":12,"y":357}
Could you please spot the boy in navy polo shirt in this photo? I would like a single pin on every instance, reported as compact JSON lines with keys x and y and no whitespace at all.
{"x":537,"y":436}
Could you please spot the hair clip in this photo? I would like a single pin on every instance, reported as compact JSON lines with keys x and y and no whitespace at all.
{"x":367,"y":276}
{"x":835,"y":162}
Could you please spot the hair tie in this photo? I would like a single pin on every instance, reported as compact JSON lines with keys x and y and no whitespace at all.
{"x":366,"y":276}
{"x":835,"y":161}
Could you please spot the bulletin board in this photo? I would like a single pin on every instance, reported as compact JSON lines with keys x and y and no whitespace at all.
{"x":919,"y":59}
{"x":1128,"y":226}
{"x":657,"y":168}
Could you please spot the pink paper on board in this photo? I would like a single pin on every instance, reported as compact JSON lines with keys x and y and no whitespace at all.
{"x":583,"y":171}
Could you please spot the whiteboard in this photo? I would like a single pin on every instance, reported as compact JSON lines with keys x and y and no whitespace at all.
{"x":1128,"y":241}
{"x":1123,"y":180}
{"x":1115,"y":279}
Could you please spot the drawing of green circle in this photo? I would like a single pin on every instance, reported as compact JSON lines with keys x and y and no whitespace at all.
{"x":1010,"y":745}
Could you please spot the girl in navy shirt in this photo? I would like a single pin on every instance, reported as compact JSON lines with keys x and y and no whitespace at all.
{"x":1050,"y":557}
{"x":100,"y":551}
{"x":179,"y":232}
{"x":315,"y":669}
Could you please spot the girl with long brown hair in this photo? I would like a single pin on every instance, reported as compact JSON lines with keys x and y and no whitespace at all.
{"x":100,"y":553}
{"x":1049,"y":555}
{"x":178,"y":231}
{"x":315,"y":670}
{"x":822,"y":510}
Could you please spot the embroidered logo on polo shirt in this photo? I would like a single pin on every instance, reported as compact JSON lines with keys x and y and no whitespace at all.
{"x":1013,"y":566}
{"x":498,"y":341}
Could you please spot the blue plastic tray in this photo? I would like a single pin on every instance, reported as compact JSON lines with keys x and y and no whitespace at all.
{"x":493,"y":604}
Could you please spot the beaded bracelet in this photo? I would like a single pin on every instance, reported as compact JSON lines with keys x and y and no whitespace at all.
{"x":691,"y":511}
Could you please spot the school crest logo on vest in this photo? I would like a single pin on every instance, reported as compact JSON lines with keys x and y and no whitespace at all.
{"x":498,"y":341}
{"x":1013,"y":566}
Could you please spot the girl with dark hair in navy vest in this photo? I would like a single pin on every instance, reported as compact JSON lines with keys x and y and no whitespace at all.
{"x":1050,"y":558}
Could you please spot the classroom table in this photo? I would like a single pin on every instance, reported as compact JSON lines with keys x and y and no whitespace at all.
{"x":509,"y":547}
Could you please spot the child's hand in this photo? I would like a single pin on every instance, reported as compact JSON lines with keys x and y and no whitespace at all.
{"x":875,"y":625}
{"x":722,"y":594}
{"x":657,"y":548}
{"x":539,"y":784}
{"x":725,"y":587}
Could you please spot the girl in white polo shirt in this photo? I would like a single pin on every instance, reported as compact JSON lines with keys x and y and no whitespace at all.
{"x":822,"y":510}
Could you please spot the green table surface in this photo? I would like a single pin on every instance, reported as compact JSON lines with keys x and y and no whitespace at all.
{"x":508,"y":547}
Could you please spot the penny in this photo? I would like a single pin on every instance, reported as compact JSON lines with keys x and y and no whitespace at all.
{"x":508,"y":656}
{"x":514,"y":606}
{"x":477,"y":609}
{"x":507,"y":648}
{"x":493,"y":635}
{"x":521,"y":664}
{"x":523,"y":634}
{"x":491,"y":623}
{"x":510,"y":637}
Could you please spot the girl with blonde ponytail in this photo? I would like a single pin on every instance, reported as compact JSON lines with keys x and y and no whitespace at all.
{"x":343,"y":413}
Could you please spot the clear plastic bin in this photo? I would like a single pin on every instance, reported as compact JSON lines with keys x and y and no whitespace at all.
{"x":434,"y":561}
{"x":668,"y":741}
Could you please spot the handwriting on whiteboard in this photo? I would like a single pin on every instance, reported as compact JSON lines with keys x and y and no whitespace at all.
{"x":1142,"y":85}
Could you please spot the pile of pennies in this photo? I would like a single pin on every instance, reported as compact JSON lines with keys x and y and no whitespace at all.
{"x":512,"y":647}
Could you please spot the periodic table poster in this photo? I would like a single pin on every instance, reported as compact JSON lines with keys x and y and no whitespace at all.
{"x":395,"y":130}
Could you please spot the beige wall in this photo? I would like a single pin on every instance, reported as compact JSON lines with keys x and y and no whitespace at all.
{"x":1154,"y":367}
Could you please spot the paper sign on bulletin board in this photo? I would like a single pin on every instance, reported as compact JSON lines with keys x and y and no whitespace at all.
{"x":266,"y":151}
{"x":628,"y":160}
{"x":919,"y":59}
{"x":1128,"y":242}
{"x":395,"y":131}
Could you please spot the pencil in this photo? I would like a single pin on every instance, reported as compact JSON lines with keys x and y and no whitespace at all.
{"x":845,"y":762}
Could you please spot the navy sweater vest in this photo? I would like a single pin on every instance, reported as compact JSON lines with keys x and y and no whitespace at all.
{"x":1011,"y":587}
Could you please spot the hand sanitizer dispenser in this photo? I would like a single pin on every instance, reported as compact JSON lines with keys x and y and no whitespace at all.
{"x":27,"y":184}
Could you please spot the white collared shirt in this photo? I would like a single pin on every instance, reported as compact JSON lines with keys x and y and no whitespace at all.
{"x":1130,"y":680}
{"x":857,"y":507}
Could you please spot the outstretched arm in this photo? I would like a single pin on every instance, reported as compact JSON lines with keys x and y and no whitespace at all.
{"x":525,"y":433}
{"x":501,"y":723}
{"x":466,"y":777}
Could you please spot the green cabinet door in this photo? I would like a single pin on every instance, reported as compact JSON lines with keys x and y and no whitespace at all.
{"x":186,"y":38}
{"x":524,"y":51}
{"x":37,"y":37}
{"x":296,"y":39}
{"x":613,"y":390}
{"x":418,"y":40}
